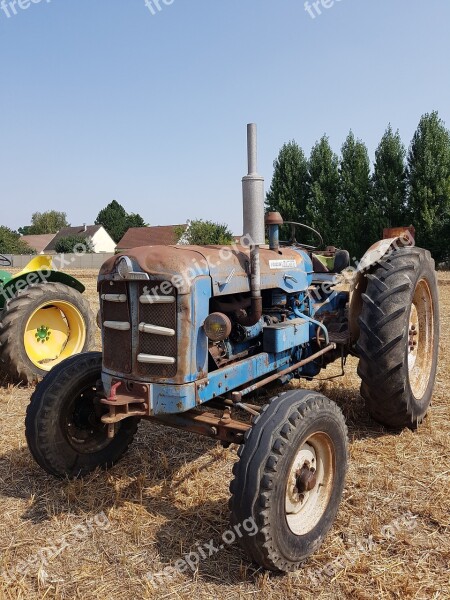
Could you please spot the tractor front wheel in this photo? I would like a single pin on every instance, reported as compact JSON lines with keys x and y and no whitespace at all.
{"x":289,"y":479}
{"x":399,"y":339}
{"x":63,"y":425}
{"x":40,"y":327}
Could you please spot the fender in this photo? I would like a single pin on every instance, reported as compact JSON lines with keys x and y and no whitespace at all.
{"x":372,"y":257}
{"x":34,"y":276}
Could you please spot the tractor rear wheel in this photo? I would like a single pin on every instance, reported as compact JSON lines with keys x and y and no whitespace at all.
{"x":289,"y":479}
{"x":63,"y":424}
{"x":40,"y":327}
{"x":399,"y":338}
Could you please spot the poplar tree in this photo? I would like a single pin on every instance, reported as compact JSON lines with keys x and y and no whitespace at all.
{"x":323,"y":209}
{"x":389,"y":184}
{"x":429,"y":184}
{"x":354,"y":197}
{"x":289,"y":191}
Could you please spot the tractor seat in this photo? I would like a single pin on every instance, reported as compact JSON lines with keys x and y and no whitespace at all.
{"x":331,"y":260}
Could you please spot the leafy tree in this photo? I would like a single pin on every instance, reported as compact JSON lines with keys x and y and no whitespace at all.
{"x":135,"y":220}
{"x":429,"y":184}
{"x":323,"y":207}
{"x":289,"y":190}
{"x":354,"y":197}
{"x":74,"y":243}
{"x":388,"y":207}
{"x":50,"y":221}
{"x":203,"y":233}
{"x":24,"y":230}
{"x":11,"y":243}
{"x":116,"y":221}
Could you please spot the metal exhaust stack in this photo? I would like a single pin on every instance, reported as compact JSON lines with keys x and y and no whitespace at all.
{"x":253,"y":209}
{"x":253,"y":192}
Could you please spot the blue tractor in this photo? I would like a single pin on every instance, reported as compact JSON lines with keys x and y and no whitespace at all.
{"x":189,"y":332}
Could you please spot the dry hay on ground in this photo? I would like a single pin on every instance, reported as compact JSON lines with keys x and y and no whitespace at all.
{"x":170,"y":493}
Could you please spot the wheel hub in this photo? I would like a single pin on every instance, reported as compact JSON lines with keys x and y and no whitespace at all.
{"x":42,"y":334}
{"x":309,"y":484}
{"x":55,"y":330}
{"x":420,"y":339}
{"x":413,"y":333}
{"x":306,"y":479}
{"x":84,"y":429}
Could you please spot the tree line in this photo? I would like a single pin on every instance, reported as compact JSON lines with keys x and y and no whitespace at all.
{"x":114,"y":218}
{"x":351,"y":203}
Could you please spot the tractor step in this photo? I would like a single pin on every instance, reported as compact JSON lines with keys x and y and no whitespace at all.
{"x":339,"y":337}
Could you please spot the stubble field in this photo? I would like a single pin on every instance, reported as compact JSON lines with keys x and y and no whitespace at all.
{"x":100,"y":537}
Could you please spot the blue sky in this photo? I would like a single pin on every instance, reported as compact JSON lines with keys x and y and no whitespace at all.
{"x":102,"y":100}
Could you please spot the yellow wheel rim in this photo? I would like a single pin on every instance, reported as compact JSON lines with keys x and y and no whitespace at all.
{"x":54,"y":332}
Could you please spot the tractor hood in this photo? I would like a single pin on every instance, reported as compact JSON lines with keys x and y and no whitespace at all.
{"x":289,"y":269}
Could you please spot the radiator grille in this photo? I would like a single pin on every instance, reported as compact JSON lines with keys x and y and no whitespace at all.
{"x":163,"y":315}
{"x":117,"y":344}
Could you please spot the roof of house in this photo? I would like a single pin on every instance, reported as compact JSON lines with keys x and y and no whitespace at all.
{"x":38,"y":242}
{"x":84,"y":231}
{"x":162,"y":235}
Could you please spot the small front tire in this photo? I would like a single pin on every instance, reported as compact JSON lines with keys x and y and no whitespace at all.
{"x":63,"y":422}
{"x":289,"y":479}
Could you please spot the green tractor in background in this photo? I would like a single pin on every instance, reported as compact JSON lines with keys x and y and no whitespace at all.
{"x":43,"y":319}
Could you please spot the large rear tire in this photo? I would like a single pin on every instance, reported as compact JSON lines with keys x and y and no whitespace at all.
{"x":399,"y":338}
{"x":42,"y":326}
{"x":289,"y":479}
{"x":63,"y":422}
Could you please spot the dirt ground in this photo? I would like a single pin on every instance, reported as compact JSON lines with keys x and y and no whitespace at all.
{"x":101,"y":537}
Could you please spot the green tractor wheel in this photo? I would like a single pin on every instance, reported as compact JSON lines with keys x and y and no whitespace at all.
{"x":42,"y":326}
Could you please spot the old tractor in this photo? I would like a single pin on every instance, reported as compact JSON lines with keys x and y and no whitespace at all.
{"x":44,"y":319}
{"x":189,"y":332}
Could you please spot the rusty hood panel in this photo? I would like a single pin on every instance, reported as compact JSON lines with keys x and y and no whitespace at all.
{"x":228,"y":266}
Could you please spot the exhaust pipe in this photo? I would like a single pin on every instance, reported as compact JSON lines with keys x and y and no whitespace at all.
{"x":253,"y":209}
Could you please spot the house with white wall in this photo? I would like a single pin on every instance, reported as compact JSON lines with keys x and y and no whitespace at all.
{"x":99,"y":238}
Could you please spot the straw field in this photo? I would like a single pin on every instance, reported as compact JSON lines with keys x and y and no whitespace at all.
{"x":100,"y":537}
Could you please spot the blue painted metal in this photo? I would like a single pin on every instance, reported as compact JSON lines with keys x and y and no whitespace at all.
{"x":224,"y":271}
{"x":232,"y":376}
{"x":274,"y":236}
{"x":285,"y":336}
{"x":307,"y":319}
{"x":171,"y":399}
{"x":249,"y":333}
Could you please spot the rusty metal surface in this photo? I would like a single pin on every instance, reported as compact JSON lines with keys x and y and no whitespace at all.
{"x":228,"y":266}
{"x":208,"y":424}
{"x":116,"y":344}
{"x":131,"y":401}
{"x":306,"y":479}
{"x":162,"y":315}
{"x":394,"y":232}
{"x":378,"y":250}
{"x":273,"y":218}
{"x":164,"y":262}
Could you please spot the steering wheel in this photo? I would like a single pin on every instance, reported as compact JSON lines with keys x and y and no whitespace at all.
{"x":293,"y":241}
{"x":4,"y":261}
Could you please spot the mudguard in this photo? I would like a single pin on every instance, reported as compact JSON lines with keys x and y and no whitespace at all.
{"x":38,"y":271}
{"x":358,"y":285}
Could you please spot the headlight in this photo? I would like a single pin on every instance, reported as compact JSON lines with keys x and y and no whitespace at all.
{"x":217,"y":327}
{"x":124,"y":267}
